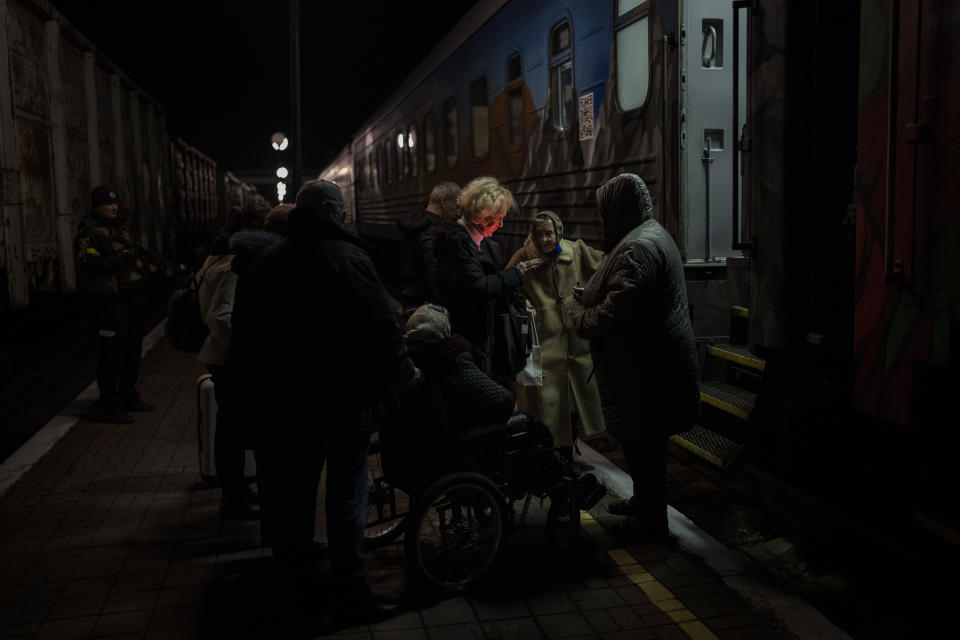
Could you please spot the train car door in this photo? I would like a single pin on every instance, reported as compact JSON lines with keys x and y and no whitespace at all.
{"x":708,"y":141}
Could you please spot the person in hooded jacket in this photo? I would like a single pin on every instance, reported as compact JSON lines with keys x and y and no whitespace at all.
{"x":420,"y":230}
{"x":474,"y":285}
{"x":218,"y":281}
{"x":565,"y":356}
{"x":636,"y":317}
{"x":113,"y":271}
{"x":316,"y":344}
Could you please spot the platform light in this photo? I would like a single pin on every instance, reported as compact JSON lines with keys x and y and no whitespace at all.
{"x":411,"y":139}
{"x":281,"y":190}
{"x":400,"y":140}
{"x":282,"y":172}
{"x":279,"y":141}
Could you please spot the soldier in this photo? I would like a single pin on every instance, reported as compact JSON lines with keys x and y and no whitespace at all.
{"x":113,"y":271}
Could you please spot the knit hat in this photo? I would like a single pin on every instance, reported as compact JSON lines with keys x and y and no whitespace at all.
{"x":429,"y":323}
{"x":320,"y":194}
{"x":102,"y":195}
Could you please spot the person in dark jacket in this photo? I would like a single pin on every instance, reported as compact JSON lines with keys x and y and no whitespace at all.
{"x":113,"y":272}
{"x":470,"y":396}
{"x":474,"y":286}
{"x":636,"y":317}
{"x":420,"y":229}
{"x":315,"y":344}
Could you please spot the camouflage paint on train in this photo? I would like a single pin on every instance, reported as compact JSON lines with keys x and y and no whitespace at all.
{"x":908,"y":203}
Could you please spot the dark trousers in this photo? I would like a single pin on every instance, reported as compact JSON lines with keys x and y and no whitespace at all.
{"x":120,"y":326}
{"x":647,"y":463}
{"x":288,"y":478}
{"x":228,"y":444}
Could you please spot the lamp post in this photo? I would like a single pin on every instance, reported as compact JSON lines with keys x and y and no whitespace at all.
{"x":279,"y":142}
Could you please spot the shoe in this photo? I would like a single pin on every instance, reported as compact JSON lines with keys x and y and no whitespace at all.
{"x":238,"y":509}
{"x":138,"y":405}
{"x":111,"y":415}
{"x":621,"y":508}
{"x":366,"y":608}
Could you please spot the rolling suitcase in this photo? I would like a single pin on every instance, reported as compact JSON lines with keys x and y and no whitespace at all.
{"x":206,"y":431}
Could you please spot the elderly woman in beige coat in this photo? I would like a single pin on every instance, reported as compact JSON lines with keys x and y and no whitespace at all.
{"x":567,"y":384}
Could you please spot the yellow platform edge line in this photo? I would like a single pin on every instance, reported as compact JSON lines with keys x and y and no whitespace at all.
{"x":703,"y":453}
{"x":724,"y":406}
{"x":659,"y":595}
{"x":747,"y":361}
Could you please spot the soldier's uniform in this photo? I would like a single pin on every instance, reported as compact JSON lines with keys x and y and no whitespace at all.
{"x":113,"y":270}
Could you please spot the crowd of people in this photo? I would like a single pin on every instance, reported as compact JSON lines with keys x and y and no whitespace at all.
{"x":306,"y":346}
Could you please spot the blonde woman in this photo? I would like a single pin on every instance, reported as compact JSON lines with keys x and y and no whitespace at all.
{"x":567,"y":384}
{"x":473,"y":284}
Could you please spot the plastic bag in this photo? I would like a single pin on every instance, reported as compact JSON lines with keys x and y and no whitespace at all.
{"x":532,"y":373}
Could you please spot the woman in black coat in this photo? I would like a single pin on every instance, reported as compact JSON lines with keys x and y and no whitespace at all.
{"x":474,"y":286}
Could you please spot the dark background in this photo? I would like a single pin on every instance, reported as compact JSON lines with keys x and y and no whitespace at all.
{"x":221,"y":69}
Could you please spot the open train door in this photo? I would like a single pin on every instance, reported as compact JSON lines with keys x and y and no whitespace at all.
{"x":711,"y":49}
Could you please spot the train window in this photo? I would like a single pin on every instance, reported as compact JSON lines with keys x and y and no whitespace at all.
{"x":515,"y":121}
{"x":370,"y":175}
{"x":480,"y":117}
{"x":632,"y":54}
{"x":562,"y":92}
{"x":391,"y":164}
{"x":514,"y":68}
{"x":412,"y":149}
{"x":358,"y":173}
{"x":450,"y":136}
{"x":429,"y":141}
{"x":375,"y":166}
{"x":403,"y":166}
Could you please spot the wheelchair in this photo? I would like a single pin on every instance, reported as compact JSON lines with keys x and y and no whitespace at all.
{"x":454,"y":497}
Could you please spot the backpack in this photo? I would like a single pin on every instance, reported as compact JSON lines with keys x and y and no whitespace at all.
{"x":184,"y":325}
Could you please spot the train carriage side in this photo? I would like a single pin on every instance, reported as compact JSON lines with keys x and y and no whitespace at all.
{"x":556,"y":98}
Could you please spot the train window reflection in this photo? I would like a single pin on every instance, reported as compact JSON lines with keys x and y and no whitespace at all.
{"x":412,"y":149}
{"x":561,"y":88}
{"x":562,"y":91}
{"x":480,"y":117}
{"x":632,"y":58}
{"x":450,"y":131}
{"x":625,"y":6}
{"x":429,"y":141}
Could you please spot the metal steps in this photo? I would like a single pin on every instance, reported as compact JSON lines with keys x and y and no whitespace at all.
{"x":724,"y":394}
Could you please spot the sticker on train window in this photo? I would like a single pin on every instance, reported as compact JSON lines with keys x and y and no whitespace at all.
{"x":586,"y":116}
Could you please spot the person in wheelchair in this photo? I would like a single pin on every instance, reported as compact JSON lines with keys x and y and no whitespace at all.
{"x":471,"y":397}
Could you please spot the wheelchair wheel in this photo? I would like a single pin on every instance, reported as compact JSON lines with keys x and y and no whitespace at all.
{"x":455,"y":532}
{"x":563,"y":518}
{"x":387,"y":506}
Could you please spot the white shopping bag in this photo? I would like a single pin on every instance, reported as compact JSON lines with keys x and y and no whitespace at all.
{"x":532,"y":373}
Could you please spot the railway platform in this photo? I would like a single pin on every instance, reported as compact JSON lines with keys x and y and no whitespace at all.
{"x":107,"y":531}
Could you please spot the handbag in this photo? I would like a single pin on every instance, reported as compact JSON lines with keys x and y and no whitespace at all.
{"x":532,"y":373}
{"x":512,"y":340}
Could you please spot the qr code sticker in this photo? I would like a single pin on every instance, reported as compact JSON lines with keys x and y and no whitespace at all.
{"x":586,"y":116}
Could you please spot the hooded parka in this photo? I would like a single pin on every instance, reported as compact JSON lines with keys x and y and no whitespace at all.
{"x":636,"y":317}
{"x":565,"y":356}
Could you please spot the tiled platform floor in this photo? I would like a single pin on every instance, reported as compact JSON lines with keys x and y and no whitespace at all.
{"x":111,"y":534}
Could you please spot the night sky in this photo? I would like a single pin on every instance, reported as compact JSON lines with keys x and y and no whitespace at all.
{"x":221,"y":69}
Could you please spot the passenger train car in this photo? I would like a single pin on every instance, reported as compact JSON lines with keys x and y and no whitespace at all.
{"x":801,"y":153}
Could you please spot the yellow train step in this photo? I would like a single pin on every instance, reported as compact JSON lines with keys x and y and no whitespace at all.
{"x":736,"y":353}
{"x":709,"y":445}
{"x":726,"y":397}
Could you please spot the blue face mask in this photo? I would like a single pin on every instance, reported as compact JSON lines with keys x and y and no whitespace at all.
{"x":553,"y":253}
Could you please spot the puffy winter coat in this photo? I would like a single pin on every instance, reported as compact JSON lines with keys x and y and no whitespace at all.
{"x":565,"y":355}
{"x":636,"y":318}
{"x":109,"y":262}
